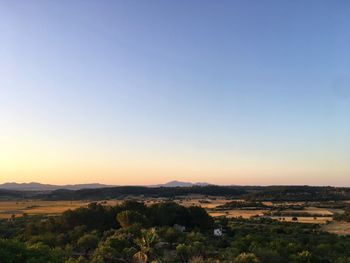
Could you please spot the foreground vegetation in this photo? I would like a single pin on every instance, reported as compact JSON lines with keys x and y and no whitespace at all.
{"x":163,"y":232}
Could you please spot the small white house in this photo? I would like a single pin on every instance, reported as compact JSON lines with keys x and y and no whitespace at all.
{"x":218,"y":232}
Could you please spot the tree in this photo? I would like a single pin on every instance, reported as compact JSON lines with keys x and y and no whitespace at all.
{"x":169,"y":214}
{"x":77,"y":260}
{"x":134,"y":206}
{"x":171,"y":235}
{"x":12,"y":251}
{"x":128,"y":218}
{"x":17,"y":252}
{"x":200,"y":218}
{"x":303,"y":257}
{"x":118,"y":247}
{"x":196,"y":259}
{"x":88,"y":242}
{"x":182,"y":252}
{"x":147,"y":246}
{"x":246,"y":258}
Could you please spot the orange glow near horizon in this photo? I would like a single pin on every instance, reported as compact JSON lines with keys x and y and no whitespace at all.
{"x":25,"y":161}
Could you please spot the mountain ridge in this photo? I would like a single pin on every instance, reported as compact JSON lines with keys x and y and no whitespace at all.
{"x":176,"y":183}
{"x":35,"y":186}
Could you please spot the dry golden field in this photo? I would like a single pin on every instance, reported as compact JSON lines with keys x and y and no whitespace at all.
{"x":304,"y":219}
{"x":203,"y":202}
{"x":319,"y":215}
{"x":237,"y":213}
{"x":33,"y":207}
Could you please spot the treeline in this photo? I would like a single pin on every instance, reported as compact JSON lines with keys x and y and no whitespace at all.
{"x":249,"y":193}
{"x":123,"y":191}
{"x":14,"y":194}
{"x":299,"y":193}
{"x":242,"y":205}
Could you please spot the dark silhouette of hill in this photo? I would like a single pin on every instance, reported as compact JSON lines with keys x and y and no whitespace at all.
{"x":33,"y":186}
{"x":176,"y":183}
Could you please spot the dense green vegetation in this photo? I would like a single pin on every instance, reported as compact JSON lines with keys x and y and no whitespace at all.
{"x":242,"y":205}
{"x":163,"y":232}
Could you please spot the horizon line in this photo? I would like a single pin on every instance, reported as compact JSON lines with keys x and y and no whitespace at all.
{"x":160,"y":184}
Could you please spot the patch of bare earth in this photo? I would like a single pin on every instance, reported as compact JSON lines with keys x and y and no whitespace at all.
{"x":337,"y":227}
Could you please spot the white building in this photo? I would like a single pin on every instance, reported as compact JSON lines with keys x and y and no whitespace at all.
{"x":218,"y":232}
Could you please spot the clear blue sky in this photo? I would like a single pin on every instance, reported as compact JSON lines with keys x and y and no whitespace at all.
{"x":135,"y":92}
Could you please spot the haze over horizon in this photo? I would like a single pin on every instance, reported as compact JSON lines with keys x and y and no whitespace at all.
{"x":173,"y":183}
{"x":142,"y":93}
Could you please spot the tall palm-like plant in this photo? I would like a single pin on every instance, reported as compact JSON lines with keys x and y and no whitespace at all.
{"x":147,"y":245}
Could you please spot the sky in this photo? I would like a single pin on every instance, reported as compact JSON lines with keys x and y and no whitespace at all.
{"x":144,"y":92}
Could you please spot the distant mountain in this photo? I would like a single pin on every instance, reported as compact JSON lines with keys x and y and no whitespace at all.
{"x":179,"y":184}
{"x":33,"y":186}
